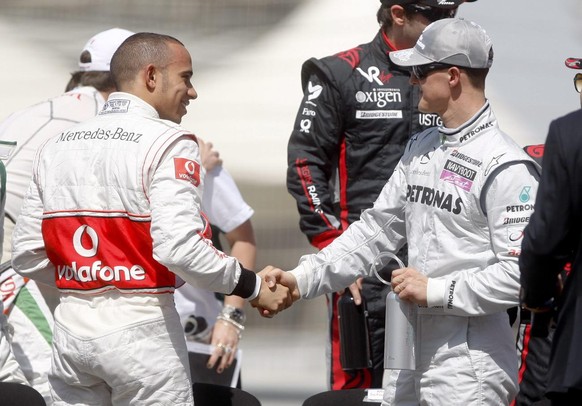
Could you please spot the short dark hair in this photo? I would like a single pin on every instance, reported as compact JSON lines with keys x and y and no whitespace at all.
{"x":476,"y":76}
{"x":137,"y":51}
{"x":384,"y":17}
{"x":100,"y":80}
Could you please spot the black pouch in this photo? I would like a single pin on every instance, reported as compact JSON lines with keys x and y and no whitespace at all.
{"x":353,"y":329}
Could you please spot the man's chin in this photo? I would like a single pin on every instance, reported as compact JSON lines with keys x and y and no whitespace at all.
{"x":175,"y":119}
{"x":423,"y":108}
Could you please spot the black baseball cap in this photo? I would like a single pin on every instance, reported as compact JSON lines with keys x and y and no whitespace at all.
{"x":431,"y":3}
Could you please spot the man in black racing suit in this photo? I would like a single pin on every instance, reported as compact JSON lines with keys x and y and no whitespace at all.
{"x":357,"y":114}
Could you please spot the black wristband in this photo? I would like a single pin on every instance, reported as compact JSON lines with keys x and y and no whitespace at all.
{"x":246,"y":283}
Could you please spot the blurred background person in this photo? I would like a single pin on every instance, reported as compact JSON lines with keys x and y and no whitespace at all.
{"x":10,"y":370}
{"x":534,"y":341}
{"x":576,"y":63}
{"x":86,"y":92}
{"x":551,"y":241}
{"x":533,"y":346}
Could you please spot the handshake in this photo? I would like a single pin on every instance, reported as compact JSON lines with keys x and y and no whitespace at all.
{"x":278,"y":291}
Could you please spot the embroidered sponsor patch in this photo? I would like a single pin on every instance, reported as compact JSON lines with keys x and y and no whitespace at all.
{"x":115,"y":106}
{"x":187,"y":169}
{"x":459,"y":175}
{"x":378,"y":114}
{"x":514,"y":236}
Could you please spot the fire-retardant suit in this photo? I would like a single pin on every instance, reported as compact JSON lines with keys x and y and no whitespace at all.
{"x":112,"y":215}
{"x":461,"y":198}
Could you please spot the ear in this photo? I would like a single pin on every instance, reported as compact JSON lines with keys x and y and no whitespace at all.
{"x":151,"y":74}
{"x":454,"y":76}
{"x":398,"y":15}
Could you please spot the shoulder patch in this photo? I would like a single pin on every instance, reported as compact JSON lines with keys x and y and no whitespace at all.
{"x":351,"y":56}
{"x":536,"y":152}
{"x":188,"y":170}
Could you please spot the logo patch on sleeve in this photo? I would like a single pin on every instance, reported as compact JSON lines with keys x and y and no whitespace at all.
{"x":188,"y":170}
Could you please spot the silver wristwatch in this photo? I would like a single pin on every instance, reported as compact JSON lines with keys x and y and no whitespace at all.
{"x":235,"y":314}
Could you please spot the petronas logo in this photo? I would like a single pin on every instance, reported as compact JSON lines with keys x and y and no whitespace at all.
{"x":524,"y":194}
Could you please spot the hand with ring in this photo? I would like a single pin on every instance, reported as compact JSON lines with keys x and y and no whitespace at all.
{"x":225,"y":339}
{"x":409,"y":284}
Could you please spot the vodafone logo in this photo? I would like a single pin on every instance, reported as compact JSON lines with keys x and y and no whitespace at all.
{"x":85,"y":243}
{"x":78,"y":244}
{"x":190,"y":167}
{"x":188,"y":170}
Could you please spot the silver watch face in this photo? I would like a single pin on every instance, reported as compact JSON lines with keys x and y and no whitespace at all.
{"x":238,"y":315}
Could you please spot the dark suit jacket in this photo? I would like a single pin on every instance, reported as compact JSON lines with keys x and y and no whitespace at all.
{"x":553,"y":238}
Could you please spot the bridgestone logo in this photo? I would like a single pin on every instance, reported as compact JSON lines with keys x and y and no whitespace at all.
{"x":378,"y":114}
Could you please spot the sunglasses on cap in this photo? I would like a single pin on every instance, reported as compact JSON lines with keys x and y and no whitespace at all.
{"x":432,"y":14}
{"x":578,"y":82}
{"x":422,"y":71}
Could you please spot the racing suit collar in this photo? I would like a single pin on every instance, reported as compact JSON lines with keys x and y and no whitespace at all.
{"x":389,"y":45}
{"x":473,"y":128}
{"x":132,"y":103}
{"x":382,"y":46}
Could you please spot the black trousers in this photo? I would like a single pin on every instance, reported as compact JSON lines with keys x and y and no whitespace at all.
{"x":571,"y":398}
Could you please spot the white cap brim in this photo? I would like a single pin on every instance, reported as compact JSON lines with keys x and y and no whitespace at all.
{"x":409,"y":57}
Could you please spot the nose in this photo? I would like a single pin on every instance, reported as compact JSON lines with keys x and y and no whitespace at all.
{"x":192,"y":93}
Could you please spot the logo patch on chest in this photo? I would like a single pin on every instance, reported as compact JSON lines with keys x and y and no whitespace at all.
{"x":458,"y":175}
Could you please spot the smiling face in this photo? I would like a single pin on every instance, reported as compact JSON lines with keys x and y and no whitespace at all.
{"x":176,"y":88}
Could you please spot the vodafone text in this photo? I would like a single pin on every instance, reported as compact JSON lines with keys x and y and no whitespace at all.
{"x":97,"y":272}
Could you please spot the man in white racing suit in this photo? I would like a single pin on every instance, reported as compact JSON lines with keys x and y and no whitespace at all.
{"x":112,"y":216}
{"x":85,"y":95}
{"x":460,"y":196}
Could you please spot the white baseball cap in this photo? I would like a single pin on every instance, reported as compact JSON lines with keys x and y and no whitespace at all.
{"x":101,"y":47}
{"x":453,"y":41}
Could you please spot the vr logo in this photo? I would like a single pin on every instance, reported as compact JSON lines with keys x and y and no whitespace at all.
{"x":372,"y":75}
